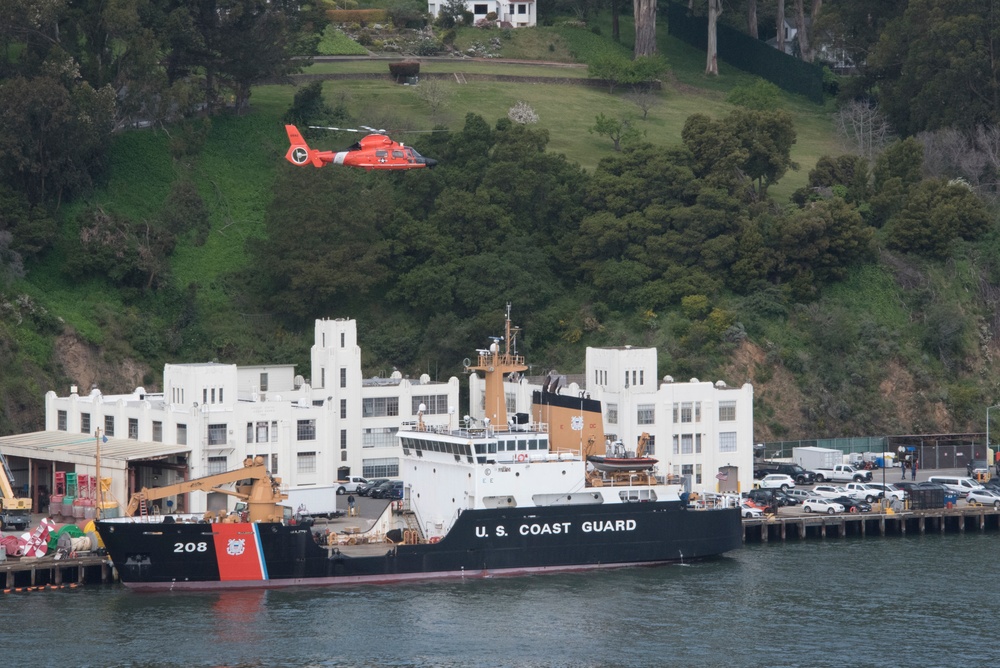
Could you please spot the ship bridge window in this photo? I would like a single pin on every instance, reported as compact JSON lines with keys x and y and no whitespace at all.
{"x":533,"y":444}
{"x":492,"y":448}
{"x":480,"y":448}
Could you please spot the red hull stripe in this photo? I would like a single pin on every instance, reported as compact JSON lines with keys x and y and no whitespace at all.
{"x":238,"y":553}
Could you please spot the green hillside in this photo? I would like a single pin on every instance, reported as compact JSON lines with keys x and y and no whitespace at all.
{"x":894,"y":345}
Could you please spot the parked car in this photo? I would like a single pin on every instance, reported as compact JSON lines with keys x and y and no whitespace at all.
{"x":984,"y":497}
{"x":890,"y":490}
{"x":801,"y":475}
{"x":380,"y":490}
{"x":365,"y":490}
{"x":394,"y":491}
{"x":771,"y":497}
{"x":800,"y":495}
{"x":777,"y":481}
{"x":822,"y":506}
{"x":830,"y":491}
{"x":750,"y":512}
{"x":853,"y":505}
{"x":977,"y":466}
{"x":958,"y":484}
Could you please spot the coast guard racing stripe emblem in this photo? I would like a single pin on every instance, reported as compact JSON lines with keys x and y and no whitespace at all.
{"x":237,"y":552}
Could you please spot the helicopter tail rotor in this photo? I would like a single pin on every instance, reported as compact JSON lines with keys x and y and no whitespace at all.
{"x":299,"y":153}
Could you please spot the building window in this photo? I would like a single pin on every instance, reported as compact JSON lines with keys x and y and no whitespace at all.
{"x":262,"y":432}
{"x":380,"y":407}
{"x":343,"y":455}
{"x":263,"y":382}
{"x":217,"y":465}
{"x":220,"y":395}
{"x":387,"y":467}
{"x":84,"y":423}
{"x":677,"y":444}
{"x":687,"y":444}
{"x":727,"y":411}
{"x":343,"y":409}
{"x":133,"y":428}
{"x":612,"y":413}
{"x":342,"y":339}
{"x":697,"y":444}
{"x":727,"y":441}
{"x":651,"y":446}
{"x":274,"y":464}
{"x":646,"y":414}
{"x":182,"y":434}
{"x":687,"y":469}
{"x":213,"y":395}
{"x":216,"y":434}
{"x":343,"y":439}
{"x":157,"y":431}
{"x":510,"y":399}
{"x":322,"y":377}
{"x":274,"y":432}
{"x":343,"y":376}
{"x":306,"y":462}
{"x":249,"y":432}
{"x":434,"y":404}
{"x":697,"y":411}
{"x":480,"y":9}
{"x":686,"y":409}
{"x":109,"y":425}
{"x":306,"y":430}
{"x":61,"y":420}
{"x":379,"y":437}
{"x":697,"y":474}
{"x":204,"y":396}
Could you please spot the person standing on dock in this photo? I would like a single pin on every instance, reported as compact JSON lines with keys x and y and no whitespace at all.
{"x":350,"y":506}
{"x":914,"y":467}
{"x":902,"y":467}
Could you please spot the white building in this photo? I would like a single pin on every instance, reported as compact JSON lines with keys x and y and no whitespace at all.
{"x":210,"y":416}
{"x":519,"y":14}
{"x":215,"y":414}
{"x":700,"y":430}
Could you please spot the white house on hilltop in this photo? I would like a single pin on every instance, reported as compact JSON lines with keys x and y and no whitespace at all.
{"x":518,"y":13}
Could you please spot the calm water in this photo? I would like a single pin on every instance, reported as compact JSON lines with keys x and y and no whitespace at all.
{"x":926,"y":601}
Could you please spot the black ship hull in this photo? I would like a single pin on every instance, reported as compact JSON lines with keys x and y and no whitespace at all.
{"x":482,"y":543}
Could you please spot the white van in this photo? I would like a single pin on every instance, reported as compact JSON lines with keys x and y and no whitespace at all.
{"x":958,"y":484}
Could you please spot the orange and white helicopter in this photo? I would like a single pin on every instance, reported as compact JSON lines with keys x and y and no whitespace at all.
{"x":374,"y":151}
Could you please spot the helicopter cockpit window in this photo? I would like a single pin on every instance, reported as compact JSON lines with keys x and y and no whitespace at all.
{"x":411,"y":155}
{"x":381,"y":154}
{"x":396,"y":153}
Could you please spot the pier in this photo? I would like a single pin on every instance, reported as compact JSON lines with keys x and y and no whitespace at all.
{"x":47,"y":572}
{"x":799,"y":526}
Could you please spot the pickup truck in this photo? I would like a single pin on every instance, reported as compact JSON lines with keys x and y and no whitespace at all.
{"x":842,"y":473}
{"x":861,"y":490}
{"x":350,"y":484}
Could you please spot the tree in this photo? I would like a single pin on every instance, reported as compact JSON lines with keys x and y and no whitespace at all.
{"x":618,"y":130}
{"x":761,"y":95}
{"x":863,"y":128}
{"x":936,"y":213}
{"x":712,"y":55}
{"x":522,"y":113}
{"x":644,"y":12}
{"x":936,"y":67}
{"x":434,"y":93}
{"x":807,"y":50}
{"x":644,"y":99}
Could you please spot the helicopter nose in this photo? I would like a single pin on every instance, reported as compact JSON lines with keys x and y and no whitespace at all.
{"x":430,"y":162}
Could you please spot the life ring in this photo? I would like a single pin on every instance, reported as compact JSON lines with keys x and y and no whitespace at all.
{"x":521,"y":457}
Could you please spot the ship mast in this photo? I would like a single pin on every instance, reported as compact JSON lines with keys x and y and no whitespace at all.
{"x":495,"y":365}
